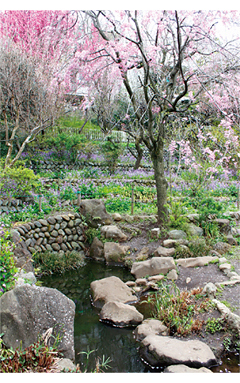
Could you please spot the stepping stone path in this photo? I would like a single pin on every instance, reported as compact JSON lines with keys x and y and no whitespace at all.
{"x":163,"y":350}
{"x":111,"y":289}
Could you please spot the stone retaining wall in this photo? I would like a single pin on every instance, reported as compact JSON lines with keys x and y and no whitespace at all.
{"x":54,"y":166}
{"x":14,"y":204}
{"x":61,"y":232}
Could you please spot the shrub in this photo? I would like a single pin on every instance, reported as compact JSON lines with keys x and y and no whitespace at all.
{"x":120,"y":205}
{"x":176,"y":309}
{"x":18,"y":181}
{"x":7,"y":265}
{"x":51,"y":262}
{"x":38,"y":357}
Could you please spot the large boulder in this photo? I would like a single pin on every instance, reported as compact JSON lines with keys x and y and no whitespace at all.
{"x":165,"y":351}
{"x":111,"y":289}
{"x":96,"y":249}
{"x":164,"y":252}
{"x":195,"y":230}
{"x":113,"y":232}
{"x":121,"y":315}
{"x":95,"y":212}
{"x":150,"y":326}
{"x":29,"y":311}
{"x":153,"y":266}
{"x":114,"y":253}
{"x":177,"y":234}
{"x":23,"y":257}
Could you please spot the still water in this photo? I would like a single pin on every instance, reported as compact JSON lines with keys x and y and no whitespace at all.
{"x":90,"y":334}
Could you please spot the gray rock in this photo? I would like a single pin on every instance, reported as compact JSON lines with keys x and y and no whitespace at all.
{"x":51,"y":220}
{"x":222,"y":247}
{"x":113,"y":232}
{"x":116,"y":217}
{"x":210,"y":289}
{"x":164,"y":252}
{"x":161,"y":351}
{"x":153,"y":266}
{"x":195,"y":230}
{"x":172,"y":275}
{"x":113,"y":252}
{"x":23,"y":256}
{"x":63,"y":225}
{"x":150,"y":327}
{"x":95,"y":212}
{"x":65,"y":365}
{"x":231,"y":240}
{"x":56,"y":246}
{"x":75,"y":245}
{"x":224,"y":225}
{"x":70,"y":223}
{"x":27,"y":311}
{"x":120,"y":314}
{"x":196,"y":262}
{"x":181,"y":368}
{"x":96,"y":249}
{"x":143,"y":253}
{"x":177,"y":234}
{"x":232,"y":319}
{"x":43,"y":222}
{"x":111,"y":289}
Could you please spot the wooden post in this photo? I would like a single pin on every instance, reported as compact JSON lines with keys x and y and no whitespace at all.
{"x":40,"y":202}
{"x":132,"y":205}
{"x":238,"y":196}
{"x":78,"y":198}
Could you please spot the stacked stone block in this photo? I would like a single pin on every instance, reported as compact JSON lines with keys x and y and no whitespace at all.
{"x":60,"y":232}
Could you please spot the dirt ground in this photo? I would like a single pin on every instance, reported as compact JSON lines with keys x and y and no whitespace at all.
{"x":138,"y":237}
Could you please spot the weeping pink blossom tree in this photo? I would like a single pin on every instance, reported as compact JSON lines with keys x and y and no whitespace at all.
{"x":36,"y":48}
{"x":164,"y":60}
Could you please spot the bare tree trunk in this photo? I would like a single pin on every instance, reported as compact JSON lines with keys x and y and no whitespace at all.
{"x":161,"y":184}
{"x":10,"y":142}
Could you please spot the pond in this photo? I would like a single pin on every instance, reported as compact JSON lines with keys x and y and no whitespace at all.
{"x":90,"y":334}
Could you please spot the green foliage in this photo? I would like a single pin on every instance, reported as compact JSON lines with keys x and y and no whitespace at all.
{"x":7,"y":265}
{"x":197,"y":247}
{"x":38,"y":357}
{"x":51,"y":262}
{"x":177,"y":215}
{"x":176,"y":309}
{"x":18,"y":181}
{"x":120,"y":205}
{"x":214,"y":325}
{"x":111,"y":152}
{"x":91,"y":233}
{"x":100,"y":364}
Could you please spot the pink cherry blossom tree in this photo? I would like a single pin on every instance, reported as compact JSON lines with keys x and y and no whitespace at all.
{"x":35,"y":51}
{"x":163,"y":60}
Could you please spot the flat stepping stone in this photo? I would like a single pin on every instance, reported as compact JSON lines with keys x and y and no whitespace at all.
{"x":120,"y":314}
{"x":160,"y":351}
{"x":111,"y":289}
{"x":196,"y":262}
{"x":153,"y":266}
{"x":181,"y":368}
{"x":150,"y":327}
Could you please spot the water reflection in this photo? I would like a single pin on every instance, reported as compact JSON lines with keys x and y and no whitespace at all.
{"x":90,"y":334}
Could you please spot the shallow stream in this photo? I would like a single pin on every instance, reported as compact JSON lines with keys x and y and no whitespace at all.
{"x":90,"y":334}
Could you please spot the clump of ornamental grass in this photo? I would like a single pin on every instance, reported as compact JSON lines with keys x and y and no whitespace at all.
{"x":178,"y":310}
{"x":52,"y":262}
